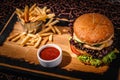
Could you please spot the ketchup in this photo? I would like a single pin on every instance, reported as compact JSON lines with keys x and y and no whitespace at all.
{"x":49,"y":53}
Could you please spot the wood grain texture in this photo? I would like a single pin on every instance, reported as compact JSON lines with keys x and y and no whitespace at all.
{"x":29,"y":53}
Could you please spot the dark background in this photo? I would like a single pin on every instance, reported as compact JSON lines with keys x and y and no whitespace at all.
{"x":69,"y":9}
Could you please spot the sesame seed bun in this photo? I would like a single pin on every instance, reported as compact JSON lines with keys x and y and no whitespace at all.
{"x":93,"y":28}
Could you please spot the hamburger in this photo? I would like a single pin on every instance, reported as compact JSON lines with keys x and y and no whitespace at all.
{"x":92,"y":39}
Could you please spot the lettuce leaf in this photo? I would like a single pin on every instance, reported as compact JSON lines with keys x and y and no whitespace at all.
{"x":97,"y":62}
{"x":90,"y":60}
{"x":110,"y":56}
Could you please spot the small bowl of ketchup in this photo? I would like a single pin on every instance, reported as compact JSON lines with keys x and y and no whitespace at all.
{"x":49,"y":55}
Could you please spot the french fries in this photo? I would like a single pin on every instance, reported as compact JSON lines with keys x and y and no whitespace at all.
{"x":35,"y":40}
{"x":39,"y":39}
{"x":18,"y":37}
{"x":19,"y":12}
{"x":25,"y":40}
{"x":33,"y":14}
{"x":13,"y":36}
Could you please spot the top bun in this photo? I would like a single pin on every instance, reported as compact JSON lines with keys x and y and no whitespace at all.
{"x":93,"y":28}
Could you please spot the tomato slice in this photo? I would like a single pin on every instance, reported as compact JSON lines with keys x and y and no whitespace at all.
{"x":74,"y":50}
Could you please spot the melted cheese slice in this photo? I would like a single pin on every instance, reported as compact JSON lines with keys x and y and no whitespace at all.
{"x":106,"y":43}
{"x":109,"y":43}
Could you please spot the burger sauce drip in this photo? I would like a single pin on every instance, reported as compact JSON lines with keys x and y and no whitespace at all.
{"x":49,"y":53}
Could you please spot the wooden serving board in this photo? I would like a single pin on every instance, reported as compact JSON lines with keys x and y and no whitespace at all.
{"x":29,"y":53}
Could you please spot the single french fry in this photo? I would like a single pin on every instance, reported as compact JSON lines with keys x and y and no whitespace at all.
{"x":63,"y":19}
{"x":45,"y":34}
{"x":38,"y":42}
{"x":44,"y":41}
{"x":49,"y":22}
{"x":26,"y":13}
{"x":32,"y":7}
{"x":18,"y":37}
{"x":32,"y":35}
{"x":51,"y":15}
{"x":48,"y":10}
{"x":19,"y":11}
{"x":45,"y":30}
{"x":24,"y":41}
{"x":52,"y":28}
{"x":44,"y":10}
{"x":57,"y":30}
{"x":13,"y":36}
{"x":51,"y":38}
{"x":54,"y":22}
{"x":30,"y":44}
